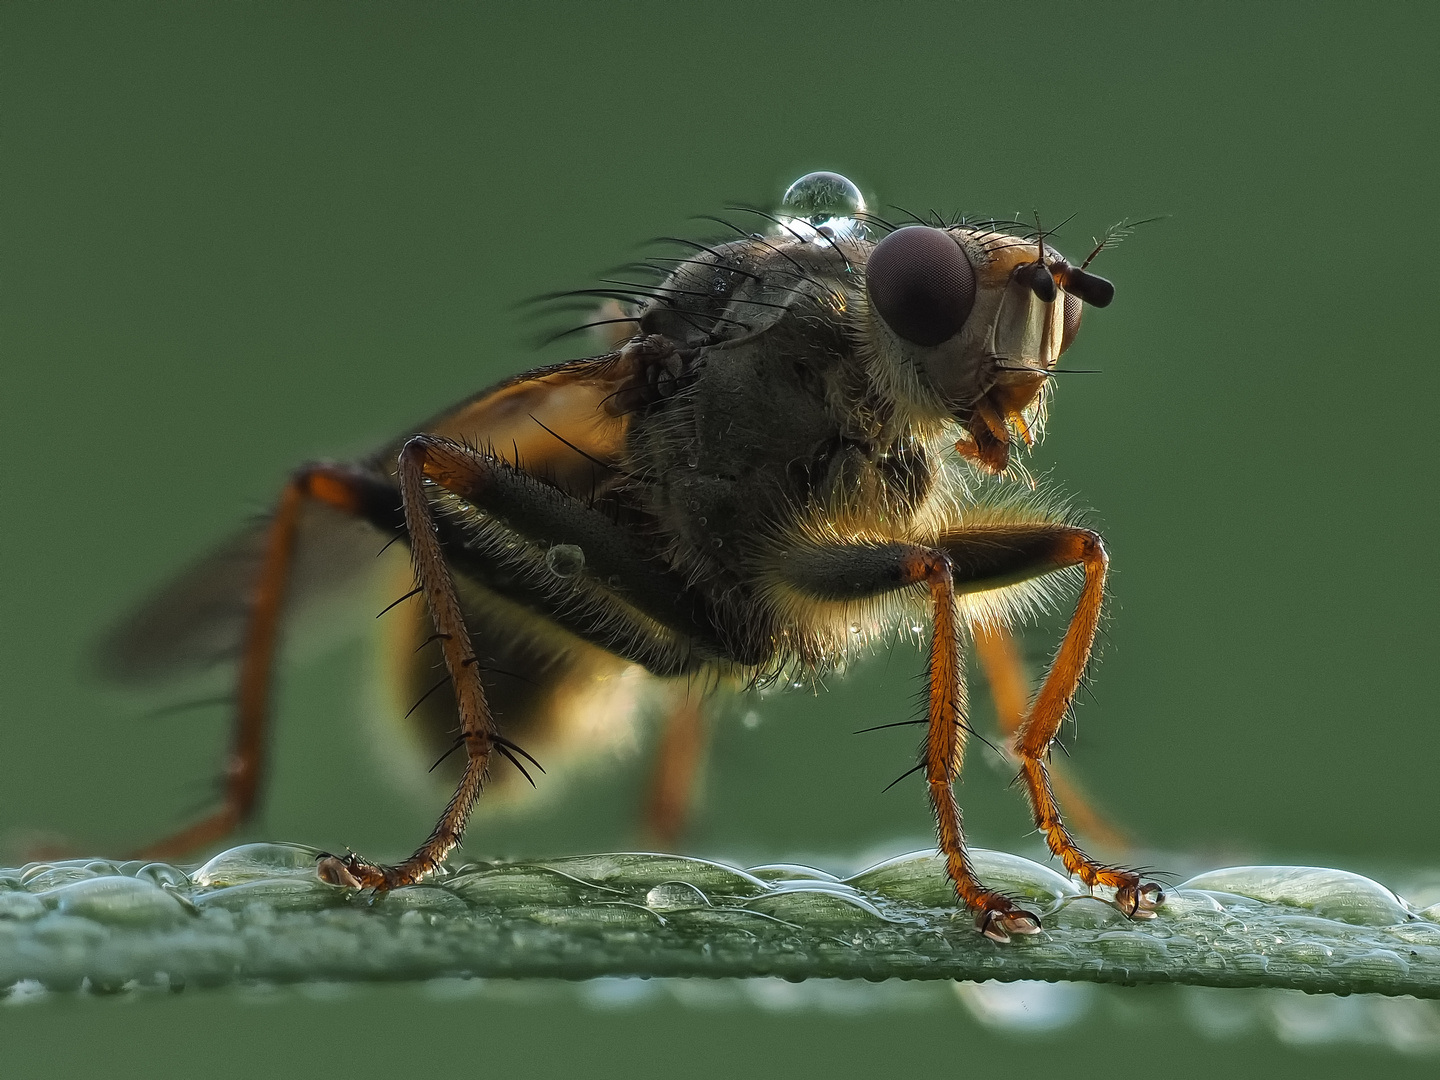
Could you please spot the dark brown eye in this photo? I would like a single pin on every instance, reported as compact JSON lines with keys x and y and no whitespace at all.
{"x":921,"y":283}
{"x":1074,"y":308}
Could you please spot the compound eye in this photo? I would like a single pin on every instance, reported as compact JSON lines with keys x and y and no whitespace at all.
{"x":1074,"y":308}
{"x":921,"y":283}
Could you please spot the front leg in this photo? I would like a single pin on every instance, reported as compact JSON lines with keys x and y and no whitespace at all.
{"x":853,"y":572}
{"x":975,"y":559}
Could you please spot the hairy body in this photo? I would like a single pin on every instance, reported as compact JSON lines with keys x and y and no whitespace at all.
{"x":795,"y":452}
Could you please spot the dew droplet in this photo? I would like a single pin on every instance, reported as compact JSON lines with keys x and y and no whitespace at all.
{"x":920,"y":878}
{"x":565,"y":560}
{"x":693,"y":461}
{"x":254,"y":862}
{"x":675,"y":896}
{"x":818,"y":197}
{"x":117,"y":901}
{"x":52,"y":877}
{"x":163,"y":874}
{"x":717,"y":543}
{"x":854,"y":628}
{"x":1330,"y":894}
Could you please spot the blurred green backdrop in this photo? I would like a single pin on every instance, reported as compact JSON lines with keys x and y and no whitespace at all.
{"x":239,"y":236}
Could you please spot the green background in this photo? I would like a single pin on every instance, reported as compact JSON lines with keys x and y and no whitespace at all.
{"x":239,"y":236}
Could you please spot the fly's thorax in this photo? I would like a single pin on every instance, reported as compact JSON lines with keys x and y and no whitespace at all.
{"x":734,"y":291}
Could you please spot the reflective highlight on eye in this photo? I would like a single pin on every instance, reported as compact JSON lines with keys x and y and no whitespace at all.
{"x":921,"y":283}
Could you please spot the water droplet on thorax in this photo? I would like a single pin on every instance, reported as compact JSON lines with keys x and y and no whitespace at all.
{"x":823,"y":205}
{"x":565,"y":560}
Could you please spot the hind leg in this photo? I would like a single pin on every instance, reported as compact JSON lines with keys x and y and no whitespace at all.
{"x":342,"y":488}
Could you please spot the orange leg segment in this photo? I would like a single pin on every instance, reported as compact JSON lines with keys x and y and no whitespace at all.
{"x":351,"y":492}
{"x":429,"y":458}
{"x":1009,"y":687}
{"x":677,"y":764}
{"x":997,"y":916}
{"x":1073,"y":547}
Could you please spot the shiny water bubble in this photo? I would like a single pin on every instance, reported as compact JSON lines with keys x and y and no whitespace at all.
{"x":52,"y":877}
{"x":116,"y":901}
{"x":675,"y":896}
{"x":818,"y":198}
{"x":163,"y":874}
{"x":1331,"y":894}
{"x":565,"y":560}
{"x":830,"y":905}
{"x":518,"y":886}
{"x":1085,"y":913}
{"x":920,"y":878}
{"x":256,"y":862}
{"x":422,"y":899}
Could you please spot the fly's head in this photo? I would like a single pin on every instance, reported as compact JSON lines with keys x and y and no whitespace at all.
{"x":971,"y":322}
{"x":962,"y":324}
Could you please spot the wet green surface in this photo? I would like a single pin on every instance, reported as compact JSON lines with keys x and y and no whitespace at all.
{"x":257,"y":914}
{"x":240,"y":238}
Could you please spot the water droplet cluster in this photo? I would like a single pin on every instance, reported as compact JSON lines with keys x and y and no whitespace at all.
{"x":259,"y":913}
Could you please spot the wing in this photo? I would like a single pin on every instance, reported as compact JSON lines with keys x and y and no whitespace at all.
{"x":559,"y":422}
{"x":563,"y":422}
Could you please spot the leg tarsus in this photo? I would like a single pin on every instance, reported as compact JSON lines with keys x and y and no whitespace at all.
{"x":1140,"y":899}
{"x":998,"y":925}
